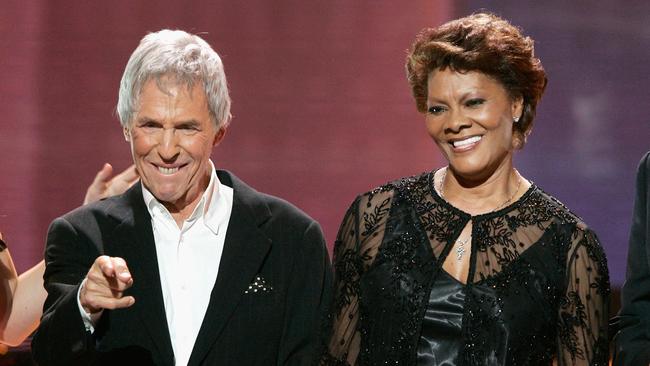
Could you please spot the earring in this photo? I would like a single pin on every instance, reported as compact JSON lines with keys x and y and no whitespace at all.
{"x":515,"y":119}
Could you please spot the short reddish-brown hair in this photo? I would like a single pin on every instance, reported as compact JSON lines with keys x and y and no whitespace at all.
{"x":485,"y":43}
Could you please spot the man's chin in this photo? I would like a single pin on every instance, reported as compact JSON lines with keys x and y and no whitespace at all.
{"x":165,"y":197}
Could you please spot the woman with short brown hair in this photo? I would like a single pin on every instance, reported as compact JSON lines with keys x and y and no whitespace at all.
{"x":469,"y":264}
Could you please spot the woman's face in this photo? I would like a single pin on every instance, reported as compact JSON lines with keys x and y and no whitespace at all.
{"x":470,"y":117}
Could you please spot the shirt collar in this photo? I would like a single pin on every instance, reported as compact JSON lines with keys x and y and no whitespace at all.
{"x":212,"y":207}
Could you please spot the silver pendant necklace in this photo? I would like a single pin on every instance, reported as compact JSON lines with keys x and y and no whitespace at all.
{"x":460,"y":248}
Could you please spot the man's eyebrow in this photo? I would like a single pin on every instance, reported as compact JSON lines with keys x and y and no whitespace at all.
{"x":145,"y":119}
{"x":188,"y":123}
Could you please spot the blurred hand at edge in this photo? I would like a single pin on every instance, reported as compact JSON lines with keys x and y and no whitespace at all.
{"x":105,"y":185}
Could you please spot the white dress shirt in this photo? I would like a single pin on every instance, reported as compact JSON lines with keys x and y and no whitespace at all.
{"x":188,"y":261}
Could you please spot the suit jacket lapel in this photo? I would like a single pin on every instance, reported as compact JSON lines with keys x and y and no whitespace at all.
{"x":134,"y":242}
{"x":244,"y":251}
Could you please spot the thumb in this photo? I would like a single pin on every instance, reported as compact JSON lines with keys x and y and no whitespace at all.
{"x":98,"y":186}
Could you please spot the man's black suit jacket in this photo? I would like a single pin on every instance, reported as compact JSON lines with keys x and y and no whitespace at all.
{"x":266,"y":237}
{"x":632,"y":342}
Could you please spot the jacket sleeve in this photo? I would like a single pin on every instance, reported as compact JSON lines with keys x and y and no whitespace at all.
{"x":62,"y":339}
{"x":632,"y":342}
{"x":355,"y":249}
{"x":310,"y":290}
{"x":582,"y":335}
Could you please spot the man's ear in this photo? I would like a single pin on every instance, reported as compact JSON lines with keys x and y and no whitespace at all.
{"x":219,"y":136}
{"x":127,"y":134}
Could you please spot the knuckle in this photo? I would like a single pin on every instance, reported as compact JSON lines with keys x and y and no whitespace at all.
{"x":93,"y":279}
{"x":117,"y":261}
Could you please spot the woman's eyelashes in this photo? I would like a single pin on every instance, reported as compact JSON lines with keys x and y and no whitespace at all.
{"x":469,"y":103}
{"x":436,"y":109}
{"x":474,"y":102}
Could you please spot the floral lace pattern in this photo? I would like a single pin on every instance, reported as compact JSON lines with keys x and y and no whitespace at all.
{"x":537,"y":290}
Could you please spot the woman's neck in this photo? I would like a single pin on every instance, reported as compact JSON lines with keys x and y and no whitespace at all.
{"x":480,"y":196}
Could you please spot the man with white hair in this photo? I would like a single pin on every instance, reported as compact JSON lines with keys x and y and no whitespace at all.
{"x":190,"y":266}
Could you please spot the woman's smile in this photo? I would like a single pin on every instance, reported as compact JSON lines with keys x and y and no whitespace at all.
{"x":465,"y":144}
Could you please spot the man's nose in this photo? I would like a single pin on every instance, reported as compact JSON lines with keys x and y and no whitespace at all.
{"x":168,"y":149}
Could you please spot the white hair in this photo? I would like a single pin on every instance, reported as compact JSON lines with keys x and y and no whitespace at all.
{"x":184,"y":57}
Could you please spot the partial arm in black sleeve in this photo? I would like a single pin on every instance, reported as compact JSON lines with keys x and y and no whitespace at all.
{"x":62,"y":338}
{"x":309,"y":295}
{"x":632,"y":342}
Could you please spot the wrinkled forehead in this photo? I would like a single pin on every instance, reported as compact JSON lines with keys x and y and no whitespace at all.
{"x":171,"y":84}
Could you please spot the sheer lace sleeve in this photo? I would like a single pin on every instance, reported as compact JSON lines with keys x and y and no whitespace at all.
{"x":355,"y":248}
{"x":583,"y":318}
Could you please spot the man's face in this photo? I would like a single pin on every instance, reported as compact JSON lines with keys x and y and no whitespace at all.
{"x":171,"y":137}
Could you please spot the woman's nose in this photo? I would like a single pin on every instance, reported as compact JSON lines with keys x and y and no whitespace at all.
{"x":457,"y":121}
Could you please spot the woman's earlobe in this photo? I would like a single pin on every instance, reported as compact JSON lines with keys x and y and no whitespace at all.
{"x":518,"y":109}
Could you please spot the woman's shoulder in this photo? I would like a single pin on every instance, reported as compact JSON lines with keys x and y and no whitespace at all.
{"x":413,"y":185}
{"x":552,"y":208}
{"x":376,"y":203}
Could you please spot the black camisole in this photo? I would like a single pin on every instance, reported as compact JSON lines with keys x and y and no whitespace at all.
{"x":441,"y":339}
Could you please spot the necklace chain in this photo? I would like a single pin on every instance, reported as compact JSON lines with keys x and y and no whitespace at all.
{"x":460,"y":244}
{"x":442,"y":192}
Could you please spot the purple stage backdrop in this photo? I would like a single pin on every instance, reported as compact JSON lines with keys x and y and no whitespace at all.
{"x":321,"y":107}
{"x":592,"y":125}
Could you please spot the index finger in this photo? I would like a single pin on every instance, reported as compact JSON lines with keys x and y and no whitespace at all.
{"x":106,"y":266}
{"x":103,"y":174}
{"x":122,"y":272}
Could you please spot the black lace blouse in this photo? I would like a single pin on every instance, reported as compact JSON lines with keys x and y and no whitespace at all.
{"x":537,"y":290}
